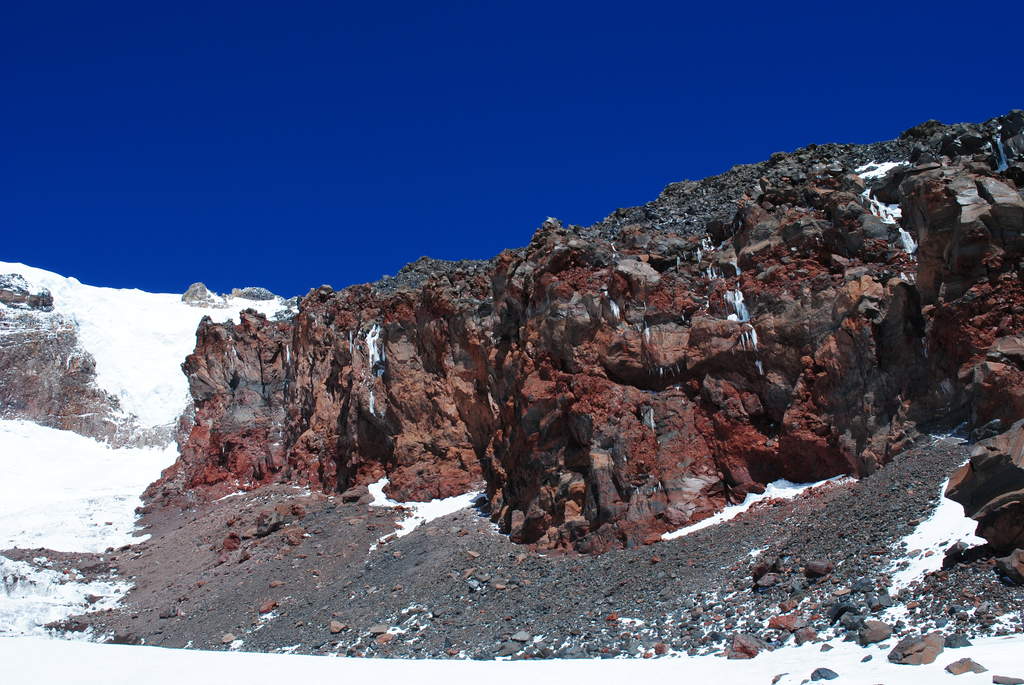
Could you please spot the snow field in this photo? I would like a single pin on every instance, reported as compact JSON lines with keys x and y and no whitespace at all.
{"x":36,"y":660}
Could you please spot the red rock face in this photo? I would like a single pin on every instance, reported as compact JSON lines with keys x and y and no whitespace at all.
{"x":606,"y":392}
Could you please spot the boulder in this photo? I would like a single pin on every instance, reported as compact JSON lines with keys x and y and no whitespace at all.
{"x":961,"y":666}
{"x":991,"y":489}
{"x":745,"y":646}
{"x":872,"y":632}
{"x":1012,"y":566}
{"x":917,"y":650}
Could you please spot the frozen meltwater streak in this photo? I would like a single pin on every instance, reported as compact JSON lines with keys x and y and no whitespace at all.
{"x":1001,"y":163}
{"x":614,"y":306}
{"x":376,"y":352}
{"x":907,"y":241}
{"x":649,"y":417}
{"x":735,"y":299}
{"x":748,"y":339}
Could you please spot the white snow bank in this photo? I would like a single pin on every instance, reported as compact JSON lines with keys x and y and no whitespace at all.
{"x":779,"y":489}
{"x":66,"y":492}
{"x":138,"y":339}
{"x":419,"y":512}
{"x":927,"y":545}
{"x":35,"y":660}
{"x":873,"y":170}
{"x":31,"y":597}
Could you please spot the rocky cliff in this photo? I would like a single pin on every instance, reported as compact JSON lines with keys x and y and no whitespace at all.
{"x":797,"y":319}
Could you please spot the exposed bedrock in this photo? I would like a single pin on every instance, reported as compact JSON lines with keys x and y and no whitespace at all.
{"x":991,"y":489}
{"x":607,"y":384}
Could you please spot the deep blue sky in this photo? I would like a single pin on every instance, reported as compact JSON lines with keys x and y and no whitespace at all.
{"x":289,"y":144}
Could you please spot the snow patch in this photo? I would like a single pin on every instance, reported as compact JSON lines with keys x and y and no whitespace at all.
{"x":779,"y":489}
{"x":418,"y":512}
{"x":927,"y":545}
{"x":873,"y":170}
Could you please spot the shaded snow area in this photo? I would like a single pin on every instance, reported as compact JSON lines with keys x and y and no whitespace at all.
{"x":31,"y":660}
{"x":418,"y":513}
{"x":68,"y":493}
{"x":927,"y":545}
{"x":138,"y":339}
{"x":779,"y":489}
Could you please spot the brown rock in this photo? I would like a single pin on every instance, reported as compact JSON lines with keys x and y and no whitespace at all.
{"x":915,"y":651}
{"x":818,"y":568}
{"x":227,"y":638}
{"x":961,"y":666}
{"x":268,"y":606}
{"x":805,"y":635}
{"x":231,"y":542}
{"x":745,"y":646}
{"x":336,"y":627}
{"x":788,"y":622}
{"x":873,"y":631}
{"x":991,"y":488}
{"x":294,"y":535}
{"x":1012,"y":566}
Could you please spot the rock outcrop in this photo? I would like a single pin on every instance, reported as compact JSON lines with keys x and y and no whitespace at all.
{"x":991,"y":489}
{"x":45,"y":375}
{"x":610,"y":383}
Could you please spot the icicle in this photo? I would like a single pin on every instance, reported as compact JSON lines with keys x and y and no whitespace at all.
{"x":614,"y":306}
{"x":649,"y":417}
{"x":647,"y":333}
{"x":735,"y":298}
{"x":376,"y":352}
{"x":287,"y":354}
{"x":760,"y":366}
{"x":748,"y":338}
{"x":1001,"y":163}
{"x":736,"y":265}
{"x":371,"y":402}
{"x":907,"y":240}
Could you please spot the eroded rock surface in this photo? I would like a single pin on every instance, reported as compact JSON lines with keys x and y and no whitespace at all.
{"x":610,"y":383}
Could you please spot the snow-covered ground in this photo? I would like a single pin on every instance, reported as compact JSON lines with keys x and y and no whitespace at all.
{"x":927,"y":545}
{"x":138,"y":339}
{"x":779,"y":489}
{"x":35,"y":661}
{"x":418,"y":512}
{"x":67,"y":493}
{"x":70,"y":493}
